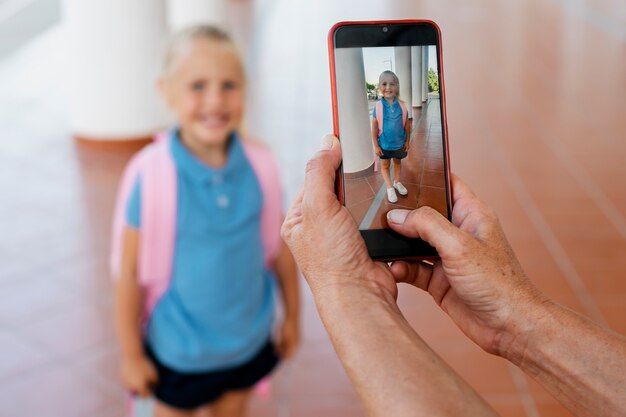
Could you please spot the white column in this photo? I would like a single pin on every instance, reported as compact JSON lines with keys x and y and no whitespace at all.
{"x":403,"y":71}
{"x":182,"y":13}
{"x":416,"y":75}
{"x":354,"y":121}
{"x":424,"y":73}
{"x":114,"y":58}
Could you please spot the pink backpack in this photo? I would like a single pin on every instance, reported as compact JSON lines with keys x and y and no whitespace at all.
{"x":158,"y":212}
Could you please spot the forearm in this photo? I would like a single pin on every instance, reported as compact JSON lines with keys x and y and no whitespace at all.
{"x":375,"y":142}
{"x":129,"y":298}
{"x":577,"y":361}
{"x":128,"y":308}
{"x":374,"y":133}
{"x":394,"y":372}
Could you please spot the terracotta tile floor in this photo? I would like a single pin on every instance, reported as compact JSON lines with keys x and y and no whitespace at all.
{"x":537,"y":125}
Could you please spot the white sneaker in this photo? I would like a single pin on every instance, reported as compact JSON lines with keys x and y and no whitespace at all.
{"x":401,"y":188}
{"x":391,"y":195}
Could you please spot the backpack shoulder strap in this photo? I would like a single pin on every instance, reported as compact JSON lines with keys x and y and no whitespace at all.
{"x":129,"y":177}
{"x":405,"y":112}
{"x":379,"y":116}
{"x":158,"y":218}
{"x":266,"y":170}
{"x":158,"y":221}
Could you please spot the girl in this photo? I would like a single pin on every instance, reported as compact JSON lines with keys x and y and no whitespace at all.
{"x":391,"y":130}
{"x":199,"y":244}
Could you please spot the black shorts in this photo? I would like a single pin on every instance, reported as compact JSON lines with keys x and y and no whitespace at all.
{"x":192,"y":390}
{"x":396,"y":154}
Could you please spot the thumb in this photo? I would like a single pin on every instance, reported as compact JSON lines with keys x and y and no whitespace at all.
{"x":429,"y":225}
{"x":319,"y":178}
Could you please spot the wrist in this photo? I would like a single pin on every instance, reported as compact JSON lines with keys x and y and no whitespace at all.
{"x":133,"y":354}
{"x":133,"y":361}
{"x":291,"y":318}
{"x":524,"y":329}
{"x":353,"y":290}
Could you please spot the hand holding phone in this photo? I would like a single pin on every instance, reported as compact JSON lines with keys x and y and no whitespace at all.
{"x":389,"y":115}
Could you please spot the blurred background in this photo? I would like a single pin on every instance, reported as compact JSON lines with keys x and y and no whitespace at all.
{"x":537,"y":126}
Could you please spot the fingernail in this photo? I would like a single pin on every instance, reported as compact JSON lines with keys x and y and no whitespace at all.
{"x":327,"y":143}
{"x":397,"y":216}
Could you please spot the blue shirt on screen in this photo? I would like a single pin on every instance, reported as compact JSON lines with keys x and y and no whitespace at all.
{"x":393,"y":134}
{"x":218,"y":310}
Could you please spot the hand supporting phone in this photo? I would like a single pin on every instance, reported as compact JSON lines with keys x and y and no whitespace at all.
{"x":389,"y":114}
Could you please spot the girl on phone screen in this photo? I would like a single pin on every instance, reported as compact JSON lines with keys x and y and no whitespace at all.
{"x":391,"y":130}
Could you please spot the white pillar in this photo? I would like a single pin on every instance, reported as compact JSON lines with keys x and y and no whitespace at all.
{"x":416,"y":75}
{"x":182,"y":13}
{"x":114,"y":58}
{"x":354,"y":121}
{"x":403,"y":71}
{"x":425,"y":73}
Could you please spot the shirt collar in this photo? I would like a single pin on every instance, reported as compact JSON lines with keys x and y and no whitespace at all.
{"x":395,"y":101}
{"x":196,"y":170}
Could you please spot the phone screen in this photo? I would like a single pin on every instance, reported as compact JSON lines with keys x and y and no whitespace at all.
{"x":390,"y":121}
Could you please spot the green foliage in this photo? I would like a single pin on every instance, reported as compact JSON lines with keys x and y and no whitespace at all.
{"x":433,"y":80}
{"x":371,"y":89}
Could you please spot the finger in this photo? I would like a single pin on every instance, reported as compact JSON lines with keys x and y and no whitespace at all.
{"x":429,"y":278}
{"x":460,"y":190}
{"x":293,"y":216}
{"x":283,"y":349}
{"x":144,"y":390}
{"x":429,"y":225}
{"x":153,"y":375}
{"x":439,"y":285}
{"x":287,"y":351}
{"x":472,"y":204}
{"x":417,"y":274}
{"x":319,"y":179}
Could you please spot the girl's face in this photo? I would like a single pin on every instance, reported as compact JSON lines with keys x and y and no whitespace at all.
{"x":388,"y":86}
{"x":205,"y":89}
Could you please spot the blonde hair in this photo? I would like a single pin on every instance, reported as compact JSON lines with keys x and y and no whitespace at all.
{"x":183,"y":38}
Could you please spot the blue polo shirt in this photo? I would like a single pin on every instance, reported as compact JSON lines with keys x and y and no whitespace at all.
{"x":218,"y":310}
{"x":393,"y":134}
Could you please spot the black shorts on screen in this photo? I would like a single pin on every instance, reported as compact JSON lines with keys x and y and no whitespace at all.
{"x":396,"y":154}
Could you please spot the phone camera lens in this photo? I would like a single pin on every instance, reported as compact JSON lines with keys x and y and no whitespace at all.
{"x":385,"y":29}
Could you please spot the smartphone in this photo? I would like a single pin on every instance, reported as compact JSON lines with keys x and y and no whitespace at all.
{"x":390,"y":117}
